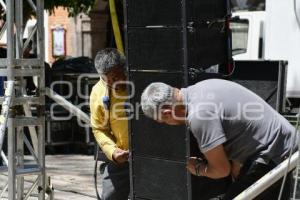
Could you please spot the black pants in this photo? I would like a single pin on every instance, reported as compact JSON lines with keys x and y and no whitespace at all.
{"x":115,"y":181}
{"x":250,"y":173}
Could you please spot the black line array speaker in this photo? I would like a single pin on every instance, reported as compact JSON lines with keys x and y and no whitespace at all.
{"x":158,"y":150}
{"x":152,"y":139}
{"x":161,"y":32}
{"x":265,"y":78}
{"x":164,"y":38}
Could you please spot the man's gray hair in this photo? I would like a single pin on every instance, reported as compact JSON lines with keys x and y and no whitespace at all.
{"x":108,"y":58}
{"x":154,"y":96}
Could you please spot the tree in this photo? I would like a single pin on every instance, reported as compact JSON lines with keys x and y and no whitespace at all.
{"x":73,"y":6}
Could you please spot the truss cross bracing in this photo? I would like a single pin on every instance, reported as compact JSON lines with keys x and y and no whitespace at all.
{"x":25,"y":175}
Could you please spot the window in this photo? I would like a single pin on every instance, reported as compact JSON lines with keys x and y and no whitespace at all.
{"x":239,"y":36}
{"x":251,"y":5}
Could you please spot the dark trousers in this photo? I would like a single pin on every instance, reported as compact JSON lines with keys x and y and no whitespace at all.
{"x":115,"y":181}
{"x":250,"y":173}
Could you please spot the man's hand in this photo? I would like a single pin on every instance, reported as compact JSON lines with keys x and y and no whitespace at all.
{"x":120,"y":156}
{"x":196,"y":166}
{"x":216,"y":164}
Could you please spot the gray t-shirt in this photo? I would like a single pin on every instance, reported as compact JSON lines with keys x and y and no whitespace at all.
{"x":223,"y":112}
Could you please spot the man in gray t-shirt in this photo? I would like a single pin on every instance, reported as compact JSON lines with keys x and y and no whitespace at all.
{"x":236,"y":130}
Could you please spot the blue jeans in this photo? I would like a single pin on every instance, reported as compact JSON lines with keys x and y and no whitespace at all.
{"x":115,"y":181}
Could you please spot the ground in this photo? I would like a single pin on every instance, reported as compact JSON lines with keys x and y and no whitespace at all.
{"x":71,"y":175}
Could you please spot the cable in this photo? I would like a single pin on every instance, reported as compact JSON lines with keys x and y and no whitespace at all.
{"x":296,"y":128}
{"x":95,"y":175}
{"x":232,"y":71}
{"x":293,"y":141}
{"x":297,"y":168}
{"x":296,"y":15}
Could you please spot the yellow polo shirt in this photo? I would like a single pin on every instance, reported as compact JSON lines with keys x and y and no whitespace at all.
{"x":114,"y":134}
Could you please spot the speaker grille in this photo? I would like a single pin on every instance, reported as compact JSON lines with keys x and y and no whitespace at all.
{"x":160,"y":179}
{"x":159,"y":48}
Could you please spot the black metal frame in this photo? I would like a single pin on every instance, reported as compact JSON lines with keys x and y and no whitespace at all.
{"x":129,"y":124}
{"x":281,"y":91}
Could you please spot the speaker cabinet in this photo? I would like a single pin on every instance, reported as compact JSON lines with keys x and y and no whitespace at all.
{"x":168,"y":141}
{"x":207,"y":46}
{"x":265,"y":78}
{"x":141,"y":13}
{"x":164,"y":39}
{"x":155,"y":49}
{"x":159,"y":32}
{"x":169,"y":177}
{"x":203,"y":11}
{"x":171,"y":145}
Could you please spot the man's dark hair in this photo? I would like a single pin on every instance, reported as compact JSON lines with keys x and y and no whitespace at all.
{"x":107,"y":59}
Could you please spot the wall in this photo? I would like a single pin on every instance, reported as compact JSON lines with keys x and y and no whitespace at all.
{"x":60,"y":17}
{"x":86,"y":34}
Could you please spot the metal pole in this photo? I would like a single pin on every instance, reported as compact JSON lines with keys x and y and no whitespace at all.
{"x":185,"y":78}
{"x":31,"y":189}
{"x":10,"y":40}
{"x":30,"y":36}
{"x":19,"y":29}
{"x":4,"y":158}
{"x":20,"y":50}
{"x":67,"y":105}
{"x":20,"y":162}
{"x":11,"y":160}
{"x":131,"y":160}
{"x":10,"y":77}
{"x":41,"y":156}
{"x":30,"y":148}
{"x":87,"y":128}
{"x":41,"y":93}
{"x":268,"y":179}
{"x":3,"y":191}
{"x":3,"y":30}
{"x":30,"y":2}
{"x":3,"y":5}
{"x":32,"y":129}
{"x":5,"y":109}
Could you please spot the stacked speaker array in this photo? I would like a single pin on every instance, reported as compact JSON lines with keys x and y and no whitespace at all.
{"x":164,"y":39}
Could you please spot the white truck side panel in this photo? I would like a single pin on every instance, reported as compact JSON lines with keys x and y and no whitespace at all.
{"x":282,"y":41}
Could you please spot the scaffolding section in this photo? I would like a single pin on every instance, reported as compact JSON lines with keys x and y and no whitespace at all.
{"x":22,"y":112}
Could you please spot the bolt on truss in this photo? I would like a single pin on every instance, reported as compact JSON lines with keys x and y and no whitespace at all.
{"x":21,"y":111}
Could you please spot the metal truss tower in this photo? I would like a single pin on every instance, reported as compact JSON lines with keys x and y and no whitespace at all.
{"x":19,"y":109}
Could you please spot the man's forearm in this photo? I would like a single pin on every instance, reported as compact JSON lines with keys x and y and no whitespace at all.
{"x":106,"y":143}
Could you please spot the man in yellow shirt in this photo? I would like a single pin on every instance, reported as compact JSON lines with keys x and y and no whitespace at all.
{"x":110,"y":124}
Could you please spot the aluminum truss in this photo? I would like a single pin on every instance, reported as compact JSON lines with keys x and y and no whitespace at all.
{"x":20,"y":110}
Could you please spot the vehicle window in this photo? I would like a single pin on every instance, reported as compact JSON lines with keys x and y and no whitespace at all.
{"x":250,"y":5}
{"x":239,"y":36}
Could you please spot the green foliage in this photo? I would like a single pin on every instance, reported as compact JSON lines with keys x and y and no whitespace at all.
{"x":73,"y":6}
